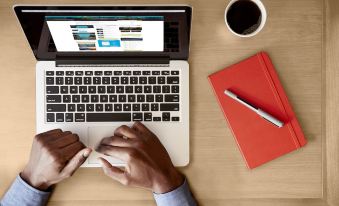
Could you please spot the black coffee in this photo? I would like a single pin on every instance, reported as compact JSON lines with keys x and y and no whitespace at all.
{"x":244,"y":17}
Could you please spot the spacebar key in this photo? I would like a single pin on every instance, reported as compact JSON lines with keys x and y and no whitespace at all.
{"x":108,"y":117}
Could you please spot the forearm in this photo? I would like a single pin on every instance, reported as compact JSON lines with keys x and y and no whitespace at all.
{"x":20,"y":193}
{"x":181,"y":196}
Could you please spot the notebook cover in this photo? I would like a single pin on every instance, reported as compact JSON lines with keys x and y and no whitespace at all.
{"x":256,"y":81}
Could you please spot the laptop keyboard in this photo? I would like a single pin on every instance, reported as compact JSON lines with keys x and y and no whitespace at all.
{"x":112,"y":95}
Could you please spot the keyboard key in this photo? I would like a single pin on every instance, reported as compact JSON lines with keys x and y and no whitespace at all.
{"x":120,"y":89}
{"x":161,"y":80}
{"x":99,"y":107}
{"x":131,"y":98}
{"x":150,"y":98}
{"x":171,"y":98}
{"x":137,"y":116}
{"x":66,"y":98}
{"x":78,"y":80}
{"x":146,"y":72}
{"x":156,"y":119}
{"x":113,"y":98}
{"x":53,"y":98}
{"x":124,"y":80}
{"x":136,"y":72}
{"x":108,"y":107}
{"x":59,"y":80}
{"x":140,"y":98}
{"x":147,"y":89}
{"x":73,"y":89}
{"x":159,"y":98}
{"x":166,"y":89}
{"x":82,"y":89}
{"x":169,"y":107}
{"x":64,"y":89}
{"x":96,"y":80}
{"x":142,"y":80}
{"x":87,"y":80}
{"x":50,"y":117}
{"x":75,"y":98}
{"x":92,"y":89}
{"x":80,"y":107}
{"x":175,"y":119}
{"x":154,"y":107}
{"x":56,"y":107}
{"x":175,"y":89}
{"x":117,"y":72}
{"x":80,"y":117}
{"x":136,"y":107}
{"x":69,"y":117}
{"x":166,"y":116}
{"x":138,"y":89}
{"x":108,"y":117}
{"x":122,"y":98}
{"x":108,"y":73}
{"x":59,"y":73}
{"x":89,"y":73}
{"x":106,"y":80}
{"x":79,"y":73}
{"x":175,"y":72}
{"x":84,"y":98}
{"x":98,"y":73}
{"x":59,"y":117}
{"x":134,"y":80}
{"x":117,"y":107}
{"x":69,"y":73}
{"x":52,"y":90}
{"x":152,"y":80}
{"x":127,"y":107}
{"x":68,"y":80}
{"x":101,"y":89}
{"x":129,"y":89}
{"x":71,"y":107}
{"x":148,"y":116}
{"x":89,"y":107}
{"x":94,"y":98}
{"x":145,"y":107}
{"x":156,"y":89}
{"x":165,"y":72}
{"x":172,"y":80}
{"x":103,"y":98}
{"x":110,"y":89}
{"x":155,"y":72}
{"x":115,"y":80}
{"x":127,"y":72}
{"x":49,"y":73}
{"x":49,"y":80}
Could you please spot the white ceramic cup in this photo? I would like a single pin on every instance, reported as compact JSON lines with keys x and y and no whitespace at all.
{"x":262,"y":23}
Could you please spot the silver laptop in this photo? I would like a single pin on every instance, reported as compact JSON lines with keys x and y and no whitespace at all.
{"x":99,"y":67}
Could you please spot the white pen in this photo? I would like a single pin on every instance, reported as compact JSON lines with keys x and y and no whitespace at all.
{"x":260,"y":112}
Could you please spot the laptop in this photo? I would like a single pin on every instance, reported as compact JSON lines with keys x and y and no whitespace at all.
{"x":100,"y":67}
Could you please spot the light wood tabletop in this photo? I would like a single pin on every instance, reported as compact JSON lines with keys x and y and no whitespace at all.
{"x":295,"y":38}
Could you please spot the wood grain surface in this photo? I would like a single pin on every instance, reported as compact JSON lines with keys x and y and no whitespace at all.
{"x":293,"y":37}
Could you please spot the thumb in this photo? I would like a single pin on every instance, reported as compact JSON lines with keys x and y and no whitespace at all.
{"x":114,"y":172}
{"x":76,"y":162}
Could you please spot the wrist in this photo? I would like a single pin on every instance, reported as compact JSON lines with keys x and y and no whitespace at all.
{"x":168,"y":182}
{"x":37,"y":183}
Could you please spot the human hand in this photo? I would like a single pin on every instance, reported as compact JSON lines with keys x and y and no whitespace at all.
{"x":148,"y":164}
{"x":55,"y":156}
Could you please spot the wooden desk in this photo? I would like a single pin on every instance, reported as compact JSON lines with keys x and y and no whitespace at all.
{"x":294,"y":36}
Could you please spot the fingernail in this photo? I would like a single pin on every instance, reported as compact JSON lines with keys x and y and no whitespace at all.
{"x":86,"y":153}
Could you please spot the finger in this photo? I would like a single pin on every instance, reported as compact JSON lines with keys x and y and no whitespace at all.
{"x":113,"y":172}
{"x":121,"y":153}
{"x":69,"y":151}
{"x":54,"y":131}
{"x":124,"y":131}
{"x":76,"y":162}
{"x":140,"y":127}
{"x":65,"y":140}
{"x":116,"y":141}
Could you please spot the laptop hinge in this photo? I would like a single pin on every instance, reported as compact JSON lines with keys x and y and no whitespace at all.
{"x":101,"y":59}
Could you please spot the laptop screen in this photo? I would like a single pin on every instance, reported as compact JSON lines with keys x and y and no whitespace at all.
{"x":107,"y":33}
{"x":139,"y":30}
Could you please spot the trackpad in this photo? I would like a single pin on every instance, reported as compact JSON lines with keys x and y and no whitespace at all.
{"x":95,"y":135}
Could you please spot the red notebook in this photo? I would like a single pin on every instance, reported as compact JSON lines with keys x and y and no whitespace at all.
{"x":256,"y":81}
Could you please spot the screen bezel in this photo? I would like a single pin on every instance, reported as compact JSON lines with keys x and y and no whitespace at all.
{"x":42,"y":54}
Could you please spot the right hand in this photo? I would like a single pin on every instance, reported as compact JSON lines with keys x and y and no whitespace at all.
{"x":55,"y":156}
{"x":148,"y":164}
